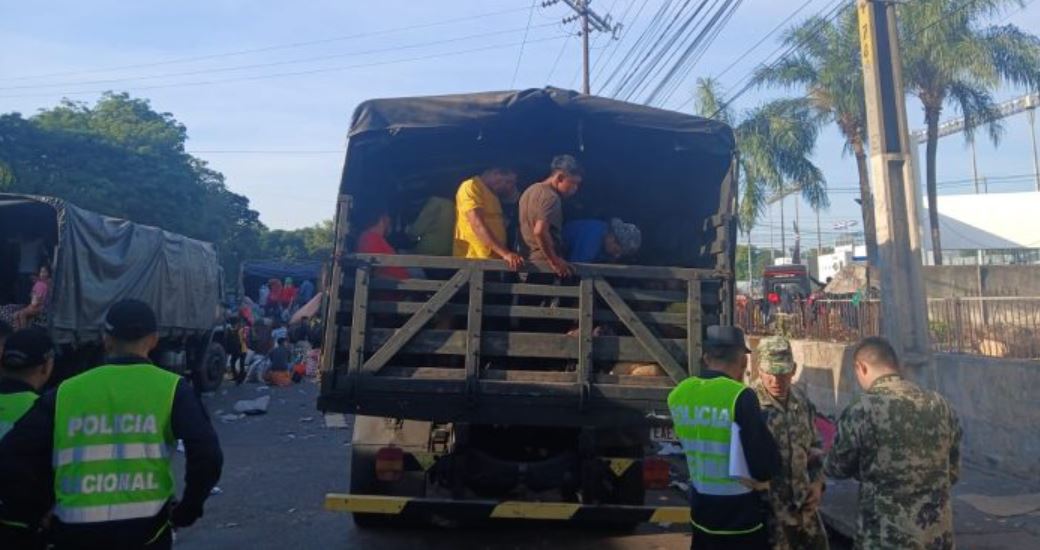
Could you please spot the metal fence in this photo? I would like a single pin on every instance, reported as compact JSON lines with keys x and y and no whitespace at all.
{"x":993,"y":326}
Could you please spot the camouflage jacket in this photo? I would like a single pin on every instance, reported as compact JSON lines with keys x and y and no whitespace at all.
{"x":903,"y":445}
{"x":793,"y":427}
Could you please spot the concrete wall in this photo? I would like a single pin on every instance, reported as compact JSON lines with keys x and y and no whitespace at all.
{"x":949,"y":281}
{"x":996,"y":400}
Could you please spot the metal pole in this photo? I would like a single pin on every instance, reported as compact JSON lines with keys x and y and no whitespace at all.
{"x":783,"y":231}
{"x":1036,"y":153}
{"x":585,"y":46}
{"x":771,"y":257}
{"x":819,"y":238}
{"x":974,"y":167}
{"x":750,"y":277}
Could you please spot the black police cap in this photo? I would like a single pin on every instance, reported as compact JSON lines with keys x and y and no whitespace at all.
{"x":725,"y":337}
{"x":27,"y":348}
{"x":130,"y":320}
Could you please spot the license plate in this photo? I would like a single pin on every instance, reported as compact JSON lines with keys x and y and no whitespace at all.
{"x":662,"y":433}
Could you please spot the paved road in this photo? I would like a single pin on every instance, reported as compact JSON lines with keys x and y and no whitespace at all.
{"x":279,"y":466}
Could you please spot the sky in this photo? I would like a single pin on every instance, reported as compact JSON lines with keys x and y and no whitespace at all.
{"x":266,"y":88}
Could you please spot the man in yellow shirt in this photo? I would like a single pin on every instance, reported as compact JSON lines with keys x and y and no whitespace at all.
{"x":480,"y":225}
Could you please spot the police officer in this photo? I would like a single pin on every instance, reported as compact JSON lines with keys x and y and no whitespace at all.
{"x":27,"y":361}
{"x":794,"y":494}
{"x":903,"y":445}
{"x":726,"y":505}
{"x":96,"y":451}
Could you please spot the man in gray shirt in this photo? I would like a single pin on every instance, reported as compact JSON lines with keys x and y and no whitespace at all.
{"x":541,"y":214}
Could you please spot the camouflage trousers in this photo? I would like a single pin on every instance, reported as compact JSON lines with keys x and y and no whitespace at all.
{"x":808,"y":534}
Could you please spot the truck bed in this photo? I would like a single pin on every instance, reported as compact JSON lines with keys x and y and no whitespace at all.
{"x":471,"y":342}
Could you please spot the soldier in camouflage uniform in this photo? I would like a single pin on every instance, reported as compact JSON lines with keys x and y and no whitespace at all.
{"x":794,"y":495}
{"x":903,"y":445}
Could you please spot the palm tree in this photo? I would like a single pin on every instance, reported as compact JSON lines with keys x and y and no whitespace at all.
{"x":950,"y":57}
{"x":826,"y":63}
{"x":775,"y":141}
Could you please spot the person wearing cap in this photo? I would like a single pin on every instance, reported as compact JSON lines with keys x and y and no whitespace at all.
{"x":715,"y":414}
{"x":480,"y":222}
{"x":595,"y":241}
{"x":794,"y":494}
{"x":28,"y":360}
{"x":96,"y":451}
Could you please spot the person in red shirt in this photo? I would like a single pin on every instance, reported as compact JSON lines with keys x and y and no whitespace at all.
{"x":288,"y":295}
{"x":373,"y":241}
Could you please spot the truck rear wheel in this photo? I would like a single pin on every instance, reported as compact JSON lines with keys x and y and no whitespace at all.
{"x":209,"y":372}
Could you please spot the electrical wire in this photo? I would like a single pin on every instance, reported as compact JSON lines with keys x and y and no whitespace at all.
{"x":520,"y":56}
{"x":304,"y":72}
{"x":215,"y":70}
{"x":275,"y":47}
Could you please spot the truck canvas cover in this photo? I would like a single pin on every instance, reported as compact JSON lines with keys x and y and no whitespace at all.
{"x":665,"y":166}
{"x":101,"y":260}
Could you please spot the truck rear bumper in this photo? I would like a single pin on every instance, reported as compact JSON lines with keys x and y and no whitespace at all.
{"x":510,"y":509}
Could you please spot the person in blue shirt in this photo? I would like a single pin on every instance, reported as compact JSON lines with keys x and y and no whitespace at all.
{"x":598,"y":241}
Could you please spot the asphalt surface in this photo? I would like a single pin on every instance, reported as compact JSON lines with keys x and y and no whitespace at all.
{"x":279,"y":466}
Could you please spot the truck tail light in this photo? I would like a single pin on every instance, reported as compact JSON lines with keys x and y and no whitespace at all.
{"x":389,"y":464}
{"x":656,"y":473}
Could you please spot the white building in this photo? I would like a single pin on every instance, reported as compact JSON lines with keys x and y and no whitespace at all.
{"x":992,"y":228}
{"x":827,"y":265}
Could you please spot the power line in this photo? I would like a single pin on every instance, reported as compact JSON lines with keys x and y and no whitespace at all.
{"x":416,"y":45}
{"x":527,"y":29}
{"x":639,"y":47}
{"x":304,"y":72}
{"x":275,"y":47}
{"x":606,"y":59}
{"x":763,"y":39}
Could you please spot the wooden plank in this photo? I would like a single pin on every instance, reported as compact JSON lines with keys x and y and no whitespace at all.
{"x":447,"y":373}
{"x":359,"y":320}
{"x":524,"y":312}
{"x":586,"y":303}
{"x":474,"y":323}
{"x":583,"y":270}
{"x":331,"y":329}
{"x":519,"y":344}
{"x":693,"y":327}
{"x":626,"y":380}
{"x":416,"y":322}
{"x":526,"y":289}
{"x":662,"y":356}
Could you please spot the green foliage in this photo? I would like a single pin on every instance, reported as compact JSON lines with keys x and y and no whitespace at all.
{"x":121,"y":158}
{"x":775,"y":142}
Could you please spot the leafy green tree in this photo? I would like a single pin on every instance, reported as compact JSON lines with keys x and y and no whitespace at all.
{"x":775,"y":141}
{"x":826,"y":65}
{"x":121,"y":158}
{"x":951,"y":57}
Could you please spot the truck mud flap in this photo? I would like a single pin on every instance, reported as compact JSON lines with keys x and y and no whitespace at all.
{"x":490,"y":509}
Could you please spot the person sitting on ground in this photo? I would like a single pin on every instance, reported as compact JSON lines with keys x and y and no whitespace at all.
{"x":277,"y":373}
{"x":279,"y":332}
{"x":480,"y":224}
{"x":288,"y":296}
{"x":306,"y":292}
{"x":433,"y":228}
{"x":541,"y":214}
{"x":22,"y":317}
{"x":598,"y":241}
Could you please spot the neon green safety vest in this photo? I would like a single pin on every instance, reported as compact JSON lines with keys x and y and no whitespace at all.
{"x":112,"y":444}
{"x":12,"y":407}
{"x":703,"y":413}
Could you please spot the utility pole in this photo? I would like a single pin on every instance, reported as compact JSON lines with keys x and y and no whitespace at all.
{"x":783,"y":231}
{"x":590,"y":20}
{"x":903,"y":310}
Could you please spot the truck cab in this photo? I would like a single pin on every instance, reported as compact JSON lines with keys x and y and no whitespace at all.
{"x":480,"y":392}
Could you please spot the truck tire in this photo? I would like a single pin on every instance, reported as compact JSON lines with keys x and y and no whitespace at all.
{"x":209,"y":372}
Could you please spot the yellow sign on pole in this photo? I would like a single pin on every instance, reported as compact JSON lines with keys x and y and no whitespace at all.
{"x":866,"y":33}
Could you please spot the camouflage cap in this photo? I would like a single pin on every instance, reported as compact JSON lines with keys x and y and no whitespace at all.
{"x":776,"y":356}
